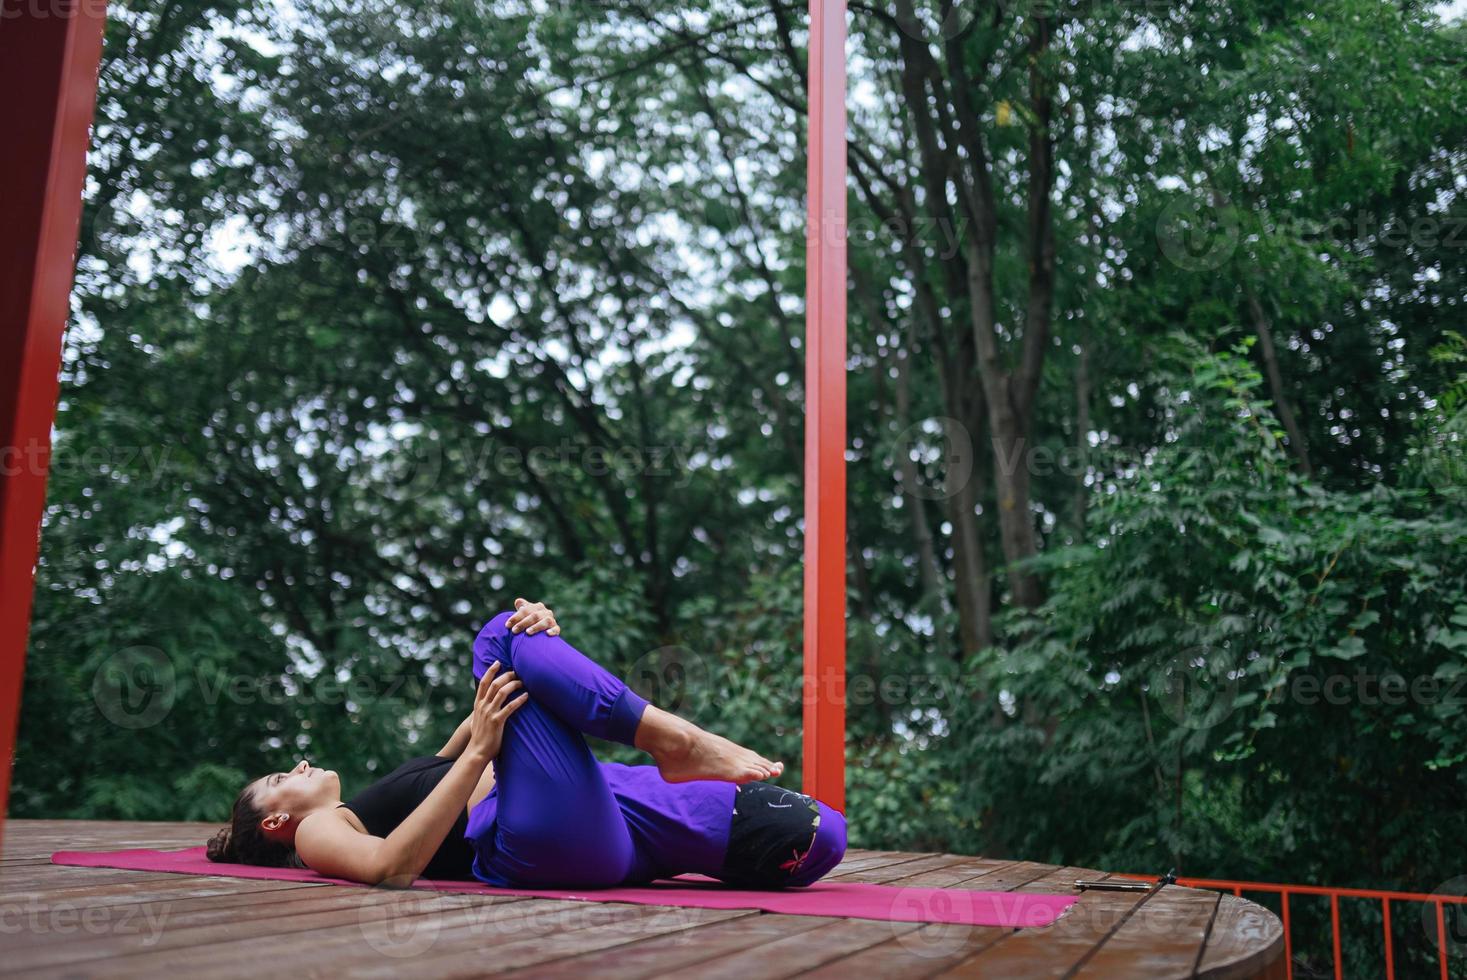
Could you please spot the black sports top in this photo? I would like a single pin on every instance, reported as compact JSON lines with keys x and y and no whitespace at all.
{"x":387,"y":802}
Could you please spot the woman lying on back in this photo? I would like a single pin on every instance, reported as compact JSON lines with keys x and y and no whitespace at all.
{"x":516,"y":798}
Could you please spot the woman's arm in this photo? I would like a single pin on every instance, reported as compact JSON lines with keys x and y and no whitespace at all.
{"x":532,"y":618}
{"x":454,"y":747}
{"x":334,"y":847}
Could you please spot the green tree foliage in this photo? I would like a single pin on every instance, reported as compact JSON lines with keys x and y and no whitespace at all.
{"x":1249,"y":671}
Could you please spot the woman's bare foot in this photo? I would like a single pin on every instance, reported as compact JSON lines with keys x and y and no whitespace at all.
{"x":684,"y":752}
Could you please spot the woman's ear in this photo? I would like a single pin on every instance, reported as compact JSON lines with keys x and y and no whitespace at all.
{"x":274,"y":821}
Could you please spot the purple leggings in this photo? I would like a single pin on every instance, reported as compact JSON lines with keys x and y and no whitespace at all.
{"x":558,"y":817}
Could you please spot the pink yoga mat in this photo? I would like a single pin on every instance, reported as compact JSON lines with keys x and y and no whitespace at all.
{"x":844,"y":899}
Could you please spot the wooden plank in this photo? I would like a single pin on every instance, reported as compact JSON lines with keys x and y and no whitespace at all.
{"x":23,"y":862}
{"x":796,"y":953}
{"x":841,"y":940}
{"x":1018,"y":874}
{"x":766,"y":929}
{"x":41,"y":844}
{"x":927,"y":949}
{"x":933,"y":871}
{"x":615,"y":927}
{"x":906,"y":869}
{"x":658,"y":954}
{"x":1163,"y":938}
{"x":1052,"y":880}
{"x":1053,"y":950}
{"x":26,"y":878}
{"x":878,"y":866}
{"x":417,"y":936}
{"x":60,"y":872}
{"x":132,"y":892}
{"x":27,"y":832}
{"x":963,"y":874}
{"x":41,"y":848}
{"x":935,"y":946}
{"x":25,"y":829}
{"x":1246,"y":938}
{"x":164,"y":928}
{"x":872,"y":861}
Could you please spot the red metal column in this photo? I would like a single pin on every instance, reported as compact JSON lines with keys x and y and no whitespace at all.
{"x":49,"y":50}
{"x":825,"y":411}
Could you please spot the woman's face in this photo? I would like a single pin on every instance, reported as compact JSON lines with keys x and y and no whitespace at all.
{"x":299,"y":791}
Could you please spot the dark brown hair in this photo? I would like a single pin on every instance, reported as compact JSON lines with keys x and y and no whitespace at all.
{"x":244,"y":841}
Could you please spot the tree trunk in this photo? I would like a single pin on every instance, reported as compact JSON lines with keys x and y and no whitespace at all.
{"x":915,"y":506}
{"x":1264,"y":329}
{"x":1015,"y":521}
{"x":1010,"y":392}
{"x":1082,"y":436}
{"x":974,"y":591}
{"x":970,"y":569}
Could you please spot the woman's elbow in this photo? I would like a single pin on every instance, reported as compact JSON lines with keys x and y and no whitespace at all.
{"x":393,"y":876}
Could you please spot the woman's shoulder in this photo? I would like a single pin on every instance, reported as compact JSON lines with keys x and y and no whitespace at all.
{"x":329,"y":843}
{"x":328,"y":819}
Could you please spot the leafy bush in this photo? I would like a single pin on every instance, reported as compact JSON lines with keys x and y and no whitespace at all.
{"x":1240,"y":674}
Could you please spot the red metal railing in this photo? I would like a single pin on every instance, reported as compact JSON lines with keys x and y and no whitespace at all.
{"x":1439,"y":902}
{"x":48,"y":63}
{"x":824,"y":760}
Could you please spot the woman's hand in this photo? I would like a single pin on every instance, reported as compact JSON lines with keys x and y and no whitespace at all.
{"x":486,"y":724}
{"x":531,"y":618}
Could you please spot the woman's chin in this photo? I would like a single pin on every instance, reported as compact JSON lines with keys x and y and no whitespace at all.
{"x":330,"y":786}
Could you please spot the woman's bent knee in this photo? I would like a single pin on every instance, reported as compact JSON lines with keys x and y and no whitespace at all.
{"x":827,"y":850}
{"x":492,"y":643}
{"x":521,"y":652}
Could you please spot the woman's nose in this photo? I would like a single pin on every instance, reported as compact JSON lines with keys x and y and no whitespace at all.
{"x":302,"y":766}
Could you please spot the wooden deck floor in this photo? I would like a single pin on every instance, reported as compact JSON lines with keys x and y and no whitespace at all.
{"x":76,"y":922}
